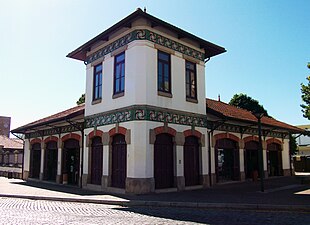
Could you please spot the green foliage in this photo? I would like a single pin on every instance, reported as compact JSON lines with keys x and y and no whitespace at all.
{"x":308,"y":65}
{"x":293,"y":145}
{"x":246,"y":102}
{"x":81,"y":100}
{"x":305,"y":96}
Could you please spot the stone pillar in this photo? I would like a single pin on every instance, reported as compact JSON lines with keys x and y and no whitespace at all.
{"x":27,"y":151}
{"x":59,"y":177}
{"x":265,"y":162}
{"x":205,"y":179}
{"x":213,"y":175}
{"x":42,"y":161}
{"x":180,"y":180}
{"x":241,"y":163}
{"x":85,"y":161}
{"x":105,"y":161}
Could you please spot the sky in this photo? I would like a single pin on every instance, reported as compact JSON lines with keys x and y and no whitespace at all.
{"x":267,"y":43}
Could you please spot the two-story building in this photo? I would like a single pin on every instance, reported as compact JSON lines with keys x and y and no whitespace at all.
{"x":146,"y":125}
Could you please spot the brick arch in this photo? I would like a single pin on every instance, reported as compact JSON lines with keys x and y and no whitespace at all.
{"x":95,"y":133}
{"x":273,"y":140}
{"x":190,"y":132}
{"x":71,"y":136}
{"x":117,"y":130}
{"x":164,"y":129}
{"x":250,"y":138}
{"x":50,"y":138}
{"x":226,"y":135}
{"x":36,"y":140}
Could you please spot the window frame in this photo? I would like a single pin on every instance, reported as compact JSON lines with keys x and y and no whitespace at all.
{"x":188,"y":85}
{"x":97,"y":88}
{"x":161,"y":86}
{"x":121,"y":78}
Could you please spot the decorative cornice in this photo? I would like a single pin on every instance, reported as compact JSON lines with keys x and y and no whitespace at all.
{"x":56,"y":130}
{"x":149,"y":113}
{"x":144,"y":34}
{"x":252,"y":131}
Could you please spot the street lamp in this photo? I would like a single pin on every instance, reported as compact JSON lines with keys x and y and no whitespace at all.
{"x":259,"y":116}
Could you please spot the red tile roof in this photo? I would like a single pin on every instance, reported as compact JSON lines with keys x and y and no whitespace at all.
{"x":235,"y":113}
{"x":11,"y":143}
{"x":69,"y":113}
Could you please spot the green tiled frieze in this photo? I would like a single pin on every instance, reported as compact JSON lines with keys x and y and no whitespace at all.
{"x":148,"y":113}
{"x":144,"y":34}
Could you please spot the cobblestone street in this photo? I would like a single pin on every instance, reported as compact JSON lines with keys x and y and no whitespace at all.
{"x":23,"y":211}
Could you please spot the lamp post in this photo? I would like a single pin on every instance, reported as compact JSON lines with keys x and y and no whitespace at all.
{"x":260,"y":150}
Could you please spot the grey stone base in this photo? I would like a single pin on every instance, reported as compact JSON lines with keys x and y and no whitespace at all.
{"x":41,"y":176}
{"x":25,"y":175}
{"x":242,"y":176}
{"x":59,"y":179}
{"x":213,"y":179}
{"x":84,"y":180}
{"x":180,"y":181}
{"x":205,"y":180}
{"x":140,"y":185}
{"x":286,"y":172}
{"x":104,"y":182}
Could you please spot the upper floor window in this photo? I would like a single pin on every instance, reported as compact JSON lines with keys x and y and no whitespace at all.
{"x":119,"y":73}
{"x":191,"y":81}
{"x":97,"y":88}
{"x":164,"y":74}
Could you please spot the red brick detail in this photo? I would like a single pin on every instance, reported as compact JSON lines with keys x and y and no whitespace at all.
{"x":192,"y":133}
{"x":163,"y":129}
{"x":36,"y":140}
{"x":117,"y":130}
{"x":273,"y":140}
{"x":226,"y":135}
{"x":95,"y":133}
{"x":51,"y":138}
{"x":71,"y":136}
{"x":250,"y":138}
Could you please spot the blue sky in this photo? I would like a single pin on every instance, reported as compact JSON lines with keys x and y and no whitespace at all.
{"x":267,"y":43}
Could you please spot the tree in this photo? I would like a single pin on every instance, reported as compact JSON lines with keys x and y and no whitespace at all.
{"x":81,"y":100}
{"x":246,"y":102}
{"x":293,"y":145}
{"x":305,"y":96}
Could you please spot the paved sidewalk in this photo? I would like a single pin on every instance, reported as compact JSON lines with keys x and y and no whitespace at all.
{"x":283,"y":193}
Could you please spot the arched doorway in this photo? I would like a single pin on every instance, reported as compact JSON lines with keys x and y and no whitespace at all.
{"x":227,"y":160}
{"x":163,"y":161}
{"x":35,"y":161}
{"x":50,"y":161}
{"x":251,"y":158}
{"x":96,"y":160}
{"x":71,"y":161}
{"x":119,"y":161}
{"x":191,"y":161}
{"x":274,"y":160}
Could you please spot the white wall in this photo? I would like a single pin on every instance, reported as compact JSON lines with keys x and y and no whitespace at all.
{"x":141,"y":82}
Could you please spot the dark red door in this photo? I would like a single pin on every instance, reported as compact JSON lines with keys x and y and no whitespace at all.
{"x":71,"y":161}
{"x":50,"y":162}
{"x":35,"y":160}
{"x":96,"y":160}
{"x":274,"y":158}
{"x":191,"y":161}
{"x":119,"y":161}
{"x":163,"y":161}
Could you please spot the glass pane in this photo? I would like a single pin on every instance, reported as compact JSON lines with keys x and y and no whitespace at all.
{"x":123,"y":69}
{"x":120,"y":57}
{"x":187,"y":90}
{"x":117,"y":72}
{"x":160,"y":68}
{"x":98,"y":68}
{"x":166,"y":70}
{"x":96,"y":93}
{"x":117,"y":85}
{"x":122,"y":83}
{"x":100,"y":91}
{"x":167,"y":86}
{"x":100,"y":79}
{"x":163,"y":56}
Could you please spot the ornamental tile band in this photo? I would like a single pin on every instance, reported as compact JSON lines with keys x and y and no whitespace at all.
{"x":148,"y":35}
{"x":148,"y":113}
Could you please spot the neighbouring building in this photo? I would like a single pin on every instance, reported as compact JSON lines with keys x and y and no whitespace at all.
{"x":303,"y":141}
{"x":11,"y":151}
{"x":146,"y":125}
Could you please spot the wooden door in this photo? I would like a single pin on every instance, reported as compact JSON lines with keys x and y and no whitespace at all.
{"x":251,"y":158}
{"x":191,"y":161}
{"x":96,"y":160}
{"x":119,"y":161}
{"x":51,"y":156}
{"x":71,"y":161}
{"x":163,"y":161}
{"x":35,"y":160}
